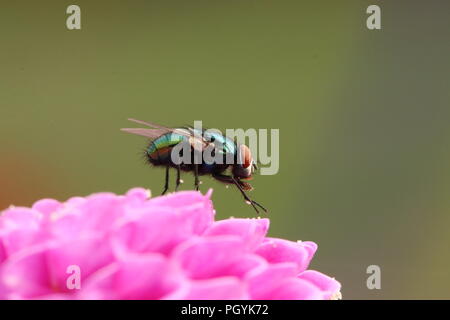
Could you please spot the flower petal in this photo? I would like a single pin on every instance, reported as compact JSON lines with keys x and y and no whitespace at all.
{"x":73,"y":253}
{"x":192,"y":205}
{"x":203,"y":258}
{"x":294,"y":289}
{"x":263,"y":281}
{"x":224,"y":288}
{"x":46,"y":206}
{"x":19,"y":228}
{"x":280,"y":250}
{"x":159,"y":229}
{"x":148,"y":276}
{"x":328,"y":286}
{"x":138,"y":194}
{"x":251,"y":231}
{"x":25,"y":275}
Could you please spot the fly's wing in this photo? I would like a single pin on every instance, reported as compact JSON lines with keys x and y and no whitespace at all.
{"x":149,"y":133}
{"x":149,"y":124}
{"x":158,"y":130}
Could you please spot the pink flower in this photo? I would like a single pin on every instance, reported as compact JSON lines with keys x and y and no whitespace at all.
{"x":106,"y":246}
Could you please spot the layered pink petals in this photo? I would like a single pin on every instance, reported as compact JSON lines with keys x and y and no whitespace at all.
{"x":133,"y":247}
{"x":143,"y":276}
{"x":279,"y":250}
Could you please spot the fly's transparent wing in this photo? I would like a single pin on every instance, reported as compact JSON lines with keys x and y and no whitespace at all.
{"x":163,"y":128}
{"x":149,"y":124}
{"x":197,"y":142}
{"x":149,"y":133}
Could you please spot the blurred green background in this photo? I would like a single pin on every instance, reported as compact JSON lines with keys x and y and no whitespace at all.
{"x":363,"y":116}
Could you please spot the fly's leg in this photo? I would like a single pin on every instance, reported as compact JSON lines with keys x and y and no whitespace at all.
{"x":197,"y":182}
{"x":178,"y":182}
{"x":223,"y":178}
{"x":247,"y":199}
{"x":166,"y":185}
{"x":232,"y":180}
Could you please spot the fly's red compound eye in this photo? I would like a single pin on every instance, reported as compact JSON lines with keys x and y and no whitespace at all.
{"x":246,"y":156}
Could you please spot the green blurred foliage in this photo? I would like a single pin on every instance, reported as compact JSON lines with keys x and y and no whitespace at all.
{"x":363,"y":117}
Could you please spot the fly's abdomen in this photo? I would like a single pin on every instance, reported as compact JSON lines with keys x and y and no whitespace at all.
{"x":159,"y":150}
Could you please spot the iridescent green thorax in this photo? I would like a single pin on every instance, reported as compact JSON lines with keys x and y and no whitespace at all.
{"x":228,"y":146}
